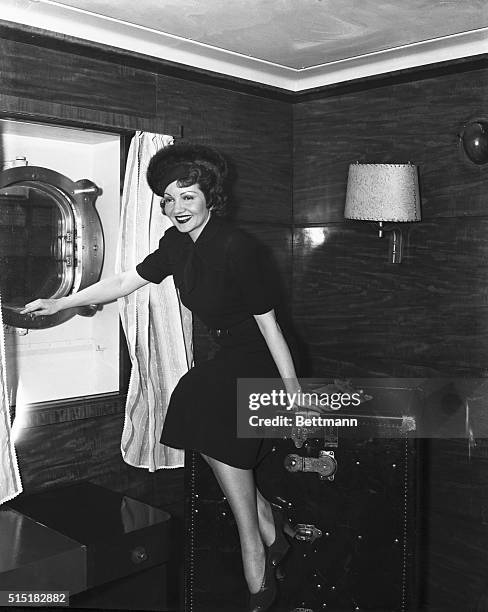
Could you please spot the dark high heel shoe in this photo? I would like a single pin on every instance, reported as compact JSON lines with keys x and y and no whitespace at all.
{"x":264,"y":598}
{"x":278,"y":549}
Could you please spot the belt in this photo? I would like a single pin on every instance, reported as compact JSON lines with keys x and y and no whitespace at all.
{"x":219,"y":332}
{"x":223,"y":332}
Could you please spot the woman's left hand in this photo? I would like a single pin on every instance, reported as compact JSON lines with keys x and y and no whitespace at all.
{"x":310,"y":408}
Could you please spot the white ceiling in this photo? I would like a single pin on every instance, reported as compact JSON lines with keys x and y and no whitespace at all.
{"x":293,"y":44}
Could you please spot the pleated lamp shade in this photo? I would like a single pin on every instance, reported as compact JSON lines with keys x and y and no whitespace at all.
{"x":383,"y":192}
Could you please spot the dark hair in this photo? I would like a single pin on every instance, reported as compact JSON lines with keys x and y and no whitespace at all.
{"x":190,"y":164}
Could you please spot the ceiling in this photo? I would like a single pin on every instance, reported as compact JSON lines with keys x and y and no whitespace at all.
{"x":293,"y":44}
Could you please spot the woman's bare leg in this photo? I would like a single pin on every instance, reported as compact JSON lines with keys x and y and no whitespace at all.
{"x":240,"y":490}
{"x":265,"y":518}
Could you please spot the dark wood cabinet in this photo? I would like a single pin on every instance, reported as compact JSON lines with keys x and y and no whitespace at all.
{"x":111,"y":537}
{"x":357,"y":532}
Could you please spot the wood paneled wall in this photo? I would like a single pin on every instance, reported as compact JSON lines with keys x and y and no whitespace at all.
{"x":52,"y":80}
{"x":425,"y":315}
{"x":428,"y":316}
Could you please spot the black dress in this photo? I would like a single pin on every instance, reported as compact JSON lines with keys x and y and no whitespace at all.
{"x":222,"y":280}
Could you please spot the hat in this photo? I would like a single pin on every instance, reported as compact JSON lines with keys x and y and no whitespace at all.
{"x":183,"y":161}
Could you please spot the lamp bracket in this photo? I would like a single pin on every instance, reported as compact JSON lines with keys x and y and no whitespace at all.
{"x":391,"y":227}
{"x":396,"y":242}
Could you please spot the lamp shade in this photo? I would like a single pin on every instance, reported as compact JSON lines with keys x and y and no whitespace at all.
{"x":383,"y":192}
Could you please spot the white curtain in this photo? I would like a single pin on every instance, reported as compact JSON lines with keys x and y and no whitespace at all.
{"x":10,"y":483}
{"x":157,"y":326}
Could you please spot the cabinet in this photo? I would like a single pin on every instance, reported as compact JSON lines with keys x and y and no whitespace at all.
{"x":357,"y":525}
{"x":103,"y":535}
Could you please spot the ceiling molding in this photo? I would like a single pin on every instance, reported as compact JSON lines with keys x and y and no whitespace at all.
{"x":434,"y":51}
{"x":54,"y":17}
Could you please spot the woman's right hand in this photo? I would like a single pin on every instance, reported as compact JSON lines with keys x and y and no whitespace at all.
{"x":42,"y":307}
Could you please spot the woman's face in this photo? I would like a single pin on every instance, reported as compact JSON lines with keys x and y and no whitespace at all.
{"x":186,"y":207}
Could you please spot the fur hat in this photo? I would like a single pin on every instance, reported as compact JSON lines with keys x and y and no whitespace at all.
{"x":185,"y":162}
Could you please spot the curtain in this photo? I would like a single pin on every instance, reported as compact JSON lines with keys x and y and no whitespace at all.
{"x":157,"y":325}
{"x":10,"y":483}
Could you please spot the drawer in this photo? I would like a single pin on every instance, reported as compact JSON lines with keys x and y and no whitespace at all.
{"x":141,"y":549}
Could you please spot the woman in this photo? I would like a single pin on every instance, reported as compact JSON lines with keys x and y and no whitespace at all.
{"x":220,"y":277}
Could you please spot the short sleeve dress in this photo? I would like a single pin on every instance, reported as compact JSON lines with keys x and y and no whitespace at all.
{"x":222,"y":279}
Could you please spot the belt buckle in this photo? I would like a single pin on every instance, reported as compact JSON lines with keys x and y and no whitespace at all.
{"x":221,"y":332}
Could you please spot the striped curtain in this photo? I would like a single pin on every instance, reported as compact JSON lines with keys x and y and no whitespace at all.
{"x":157,"y":325}
{"x":10,"y":483}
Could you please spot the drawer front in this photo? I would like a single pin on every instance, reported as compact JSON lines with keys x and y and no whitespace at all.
{"x":138,"y":550}
{"x":63,"y":572}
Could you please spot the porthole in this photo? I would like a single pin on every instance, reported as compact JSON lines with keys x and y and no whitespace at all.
{"x":51,"y":242}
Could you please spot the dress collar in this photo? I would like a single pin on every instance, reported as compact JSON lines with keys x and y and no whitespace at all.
{"x":209,"y":231}
{"x":204,"y":251}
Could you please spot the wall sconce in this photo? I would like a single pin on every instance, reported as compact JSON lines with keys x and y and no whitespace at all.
{"x":382,"y":193}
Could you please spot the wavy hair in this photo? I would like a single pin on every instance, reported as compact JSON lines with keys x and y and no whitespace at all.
{"x":191,"y":164}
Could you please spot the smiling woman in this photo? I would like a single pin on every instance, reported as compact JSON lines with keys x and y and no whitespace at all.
{"x":220,"y":274}
{"x":186,"y":207}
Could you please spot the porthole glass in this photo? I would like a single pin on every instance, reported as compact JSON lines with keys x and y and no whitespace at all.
{"x":51,"y":241}
{"x":35,"y":244}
